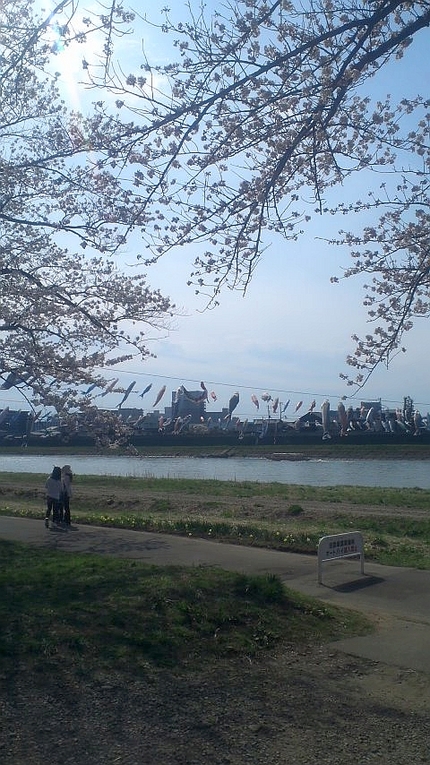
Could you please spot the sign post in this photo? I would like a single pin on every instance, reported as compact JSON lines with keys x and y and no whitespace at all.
{"x":337,"y":546}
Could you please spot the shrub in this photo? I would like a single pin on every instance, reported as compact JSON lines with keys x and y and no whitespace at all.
{"x":295,"y":510}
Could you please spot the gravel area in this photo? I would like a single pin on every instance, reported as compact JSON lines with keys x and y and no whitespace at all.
{"x":304,"y":707}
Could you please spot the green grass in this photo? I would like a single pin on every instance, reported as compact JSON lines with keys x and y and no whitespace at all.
{"x":100,"y":612}
{"x":394,"y":526}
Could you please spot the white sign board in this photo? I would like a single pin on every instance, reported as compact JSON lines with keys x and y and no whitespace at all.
{"x":337,"y":546}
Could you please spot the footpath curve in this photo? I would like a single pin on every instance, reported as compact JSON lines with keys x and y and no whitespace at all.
{"x":397,"y":599}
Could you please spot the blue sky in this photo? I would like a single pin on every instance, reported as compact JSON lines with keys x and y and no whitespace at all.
{"x":290,"y":334}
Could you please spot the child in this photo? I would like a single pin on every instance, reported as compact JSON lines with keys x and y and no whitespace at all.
{"x":66,"y":493}
{"x":53,"y":496}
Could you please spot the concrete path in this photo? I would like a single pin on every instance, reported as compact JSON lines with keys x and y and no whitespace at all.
{"x":397,"y":598}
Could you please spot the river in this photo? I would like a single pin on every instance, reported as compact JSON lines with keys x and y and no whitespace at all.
{"x":315,"y":472}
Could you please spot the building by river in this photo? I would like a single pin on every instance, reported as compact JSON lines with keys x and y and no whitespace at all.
{"x":186,"y":422}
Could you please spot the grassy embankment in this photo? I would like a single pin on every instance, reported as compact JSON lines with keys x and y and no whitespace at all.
{"x":395,"y":522}
{"x":94,"y":613}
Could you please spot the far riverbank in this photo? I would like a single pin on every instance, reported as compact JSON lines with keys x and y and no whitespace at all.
{"x":338,"y":451}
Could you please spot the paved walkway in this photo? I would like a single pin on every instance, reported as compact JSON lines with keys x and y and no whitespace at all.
{"x":397,"y":598}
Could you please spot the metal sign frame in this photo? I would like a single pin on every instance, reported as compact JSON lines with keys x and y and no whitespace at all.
{"x":338,"y":546}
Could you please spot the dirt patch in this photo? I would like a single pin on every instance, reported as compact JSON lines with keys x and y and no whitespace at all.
{"x":314,"y":705}
{"x":259,"y":508}
{"x":123,"y":499}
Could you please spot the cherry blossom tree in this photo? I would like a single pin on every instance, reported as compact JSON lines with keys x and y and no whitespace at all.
{"x":67,"y":308}
{"x":395,"y":253}
{"x":264,"y":114}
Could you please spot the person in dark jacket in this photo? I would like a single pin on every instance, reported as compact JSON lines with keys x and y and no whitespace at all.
{"x":66,"y":492}
{"x":53,"y":488}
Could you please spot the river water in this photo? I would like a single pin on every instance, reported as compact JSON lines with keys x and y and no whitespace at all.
{"x":315,"y":472}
